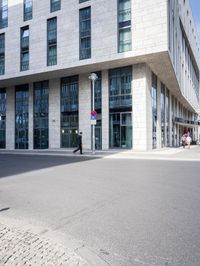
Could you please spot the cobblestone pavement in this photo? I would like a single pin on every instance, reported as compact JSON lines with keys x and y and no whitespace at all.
{"x":19,"y":248}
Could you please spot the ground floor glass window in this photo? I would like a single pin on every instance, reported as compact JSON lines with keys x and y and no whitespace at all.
{"x":2,"y":118}
{"x":21,"y":117}
{"x":41,"y":115}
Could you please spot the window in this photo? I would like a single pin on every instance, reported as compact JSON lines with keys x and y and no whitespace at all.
{"x":120,"y":108}
{"x":3,"y":14}
{"x":2,"y":54}
{"x":81,"y":1}
{"x":120,"y":88}
{"x":28,"y":9}
{"x":41,"y":114}
{"x":85,"y":32}
{"x":52,"y":41}
{"x":55,"y":5}
{"x":21,"y":117}
{"x":162,"y":102}
{"x":154,"y":110}
{"x":2,"y":118}
{"x":24,"y":49}
{"x":69,"y":111}
{"x":124,"y":25}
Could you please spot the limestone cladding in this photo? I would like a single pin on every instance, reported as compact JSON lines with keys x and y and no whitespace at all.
{"x":149,"y":33}
{"x":54,"y":113}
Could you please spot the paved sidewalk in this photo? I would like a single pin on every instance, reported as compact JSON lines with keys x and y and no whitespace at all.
{"x":18,"y":247}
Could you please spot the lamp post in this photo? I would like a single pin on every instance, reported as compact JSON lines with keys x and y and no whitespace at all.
{"x":93,"y":77}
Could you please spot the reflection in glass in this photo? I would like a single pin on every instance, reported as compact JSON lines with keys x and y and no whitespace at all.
{"x":21,"y":117}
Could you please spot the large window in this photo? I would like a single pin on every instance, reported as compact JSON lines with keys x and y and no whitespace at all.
{"x":124,"y":25}
{"x":2,"y":54}
{"x":85,"y":32}
{"x":24,"y":49}
{"x":69,"y":111}
{"x":154,"y":110}
{"x":21,"y":117}
{"x":162,"y":101}
{"x":120,"y":88}
{"x":55,"y":5}
{"x":52,"y":41}
{"x":3,"y":14}
{"x":2,"y":118}
{"x":41,"y":115}
{"x":167,"y":118}
{"x":28,"y":9}
{"x":120,"y":106}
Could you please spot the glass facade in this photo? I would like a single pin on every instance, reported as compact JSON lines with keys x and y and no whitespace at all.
{"x":41,"y":115}
{"x":124,"y":25}
{"x":120,"y":108}
{"x":167,"y":118}
{"x":3,"y":14}
{"x":28,"y":9}
{"x":2,"y":54}
{"x":162,"y":102}
{"x":69,"y":111}
{"x":21,"y":116}
{"x":52,"y":41}
{"x":2,"y":118}
{"x":24,"y":49}
{"x":85,"y":32}
{"x":154,"y":110}
{"x":98,"y":109}
{"x":55,"y":5}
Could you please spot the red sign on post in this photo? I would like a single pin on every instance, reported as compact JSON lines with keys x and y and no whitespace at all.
{"x":93,"y":113}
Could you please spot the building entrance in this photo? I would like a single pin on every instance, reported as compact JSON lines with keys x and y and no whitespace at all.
{"x":121,"y":130}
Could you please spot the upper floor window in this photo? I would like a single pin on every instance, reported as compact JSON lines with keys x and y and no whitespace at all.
{"x":24,"y":48}
{"x":124,"y":25}
{"x":85,"y":32}
{"x":2,"y":54}
{"x":52,"y":41}
{"x":28,"y":9}
{"x":55,"y":5}
{"x":3,"y":14}
{"x":81,"y":1}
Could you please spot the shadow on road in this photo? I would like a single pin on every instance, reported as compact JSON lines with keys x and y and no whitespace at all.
{"x":13,"y":164}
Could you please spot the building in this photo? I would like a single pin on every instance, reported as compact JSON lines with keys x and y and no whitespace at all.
{"x":146,"y":56}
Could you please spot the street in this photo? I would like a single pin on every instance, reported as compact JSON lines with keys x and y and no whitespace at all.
{"x":128,"y":212}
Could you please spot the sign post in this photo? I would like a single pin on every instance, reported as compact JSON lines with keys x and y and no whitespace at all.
{"x":93,"y":77}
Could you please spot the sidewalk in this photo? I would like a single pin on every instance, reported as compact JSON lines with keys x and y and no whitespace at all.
{"x":18,"y":247}
{"x":168,"y":153}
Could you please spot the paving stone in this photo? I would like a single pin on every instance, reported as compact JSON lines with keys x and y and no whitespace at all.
{"x":28,"y":249}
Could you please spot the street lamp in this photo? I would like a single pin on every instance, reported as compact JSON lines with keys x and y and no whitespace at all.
{"x":93,"y":77}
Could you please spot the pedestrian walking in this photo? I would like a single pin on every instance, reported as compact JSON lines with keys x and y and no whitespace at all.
{"x":183,"y":140}
{"x":79,"y":142}
{"x":188,"y":140}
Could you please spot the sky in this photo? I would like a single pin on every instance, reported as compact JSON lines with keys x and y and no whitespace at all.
{"x":195,"y":4}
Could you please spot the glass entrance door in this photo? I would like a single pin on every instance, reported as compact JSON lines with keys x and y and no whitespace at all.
{"x":121,"y":130}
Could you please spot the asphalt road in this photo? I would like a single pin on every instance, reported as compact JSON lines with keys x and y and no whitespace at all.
{"x":128,"y":212}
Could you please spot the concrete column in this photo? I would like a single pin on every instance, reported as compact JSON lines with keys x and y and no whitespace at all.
{"x":85,"y":109}
{"x":105,"y":110}
{"x":158,"y":114}
{"x":30,"y":118}
{"x":54,"y":114}
{"x":142,"y":114}
{"x":10,"y":118}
